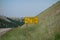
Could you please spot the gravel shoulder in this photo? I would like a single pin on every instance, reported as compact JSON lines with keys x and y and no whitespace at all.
{"x":4,"y":30}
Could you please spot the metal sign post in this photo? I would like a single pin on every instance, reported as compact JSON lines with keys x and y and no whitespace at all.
{"x":27,"y":27}
{"x":30,"y":20}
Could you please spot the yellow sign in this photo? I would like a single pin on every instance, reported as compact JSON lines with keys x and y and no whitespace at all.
{"x":28,"y":20}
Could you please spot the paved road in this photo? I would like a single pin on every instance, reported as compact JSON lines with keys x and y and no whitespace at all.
{"x":4,"y":30}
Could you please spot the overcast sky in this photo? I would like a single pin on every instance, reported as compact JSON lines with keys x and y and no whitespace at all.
{"x":21,"y":8}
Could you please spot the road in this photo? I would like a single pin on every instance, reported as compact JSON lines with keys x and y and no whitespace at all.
{"x":4,"y":30}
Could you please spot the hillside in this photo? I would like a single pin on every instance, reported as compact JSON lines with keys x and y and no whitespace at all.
{"x":6,"y":22}
{"x":47,"y":28}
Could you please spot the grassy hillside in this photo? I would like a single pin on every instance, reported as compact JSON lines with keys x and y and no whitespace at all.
{"x":47,"y":28}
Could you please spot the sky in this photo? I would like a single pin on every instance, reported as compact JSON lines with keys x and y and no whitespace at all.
{"x":22,"y":8}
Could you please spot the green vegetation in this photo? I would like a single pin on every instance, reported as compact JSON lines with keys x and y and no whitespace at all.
{"x":48,"y":27}
{"x":12,"y":24}
{"x":6,"y":24}
{"x":17,"y":22}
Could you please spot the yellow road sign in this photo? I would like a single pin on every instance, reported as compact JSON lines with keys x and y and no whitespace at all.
{"x":29,"y":20}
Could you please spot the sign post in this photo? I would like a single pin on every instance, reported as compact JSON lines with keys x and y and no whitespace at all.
{"x":30,"y":20}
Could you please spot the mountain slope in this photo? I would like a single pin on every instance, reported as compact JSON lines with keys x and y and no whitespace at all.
{"x":47,"y":28}
{"x":50,"y":22}
{"x":6,"y":22}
